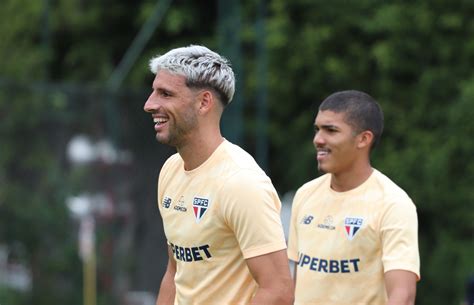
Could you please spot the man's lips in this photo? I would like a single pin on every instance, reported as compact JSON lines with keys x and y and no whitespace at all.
{"x":322,"y":153}
{"x":159,"y":122}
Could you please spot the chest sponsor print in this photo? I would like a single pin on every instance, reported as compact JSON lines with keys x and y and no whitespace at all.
{"x":328,"y":223}
{"x":180,"y":205}
{"x":200,"y":207}
{"x":352,"y":225}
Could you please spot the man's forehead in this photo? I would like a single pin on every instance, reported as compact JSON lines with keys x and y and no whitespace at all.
{"x":330,"y":117}
{"x":167,"y":78}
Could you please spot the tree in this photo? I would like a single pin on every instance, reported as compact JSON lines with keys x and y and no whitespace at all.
{"x":414,"y":58}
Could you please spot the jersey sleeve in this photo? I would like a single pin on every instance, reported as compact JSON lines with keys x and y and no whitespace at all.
{"x":163,"y":178}
{"x":251,"y":208}
{"x":293,"y":234}
{"x":399,"y":232}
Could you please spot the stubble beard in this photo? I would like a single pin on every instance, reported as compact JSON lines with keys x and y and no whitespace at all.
{"x":178,"y":133}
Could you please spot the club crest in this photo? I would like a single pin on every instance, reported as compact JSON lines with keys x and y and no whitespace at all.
{"x":352,"y":226}
{"x":200,"y":207}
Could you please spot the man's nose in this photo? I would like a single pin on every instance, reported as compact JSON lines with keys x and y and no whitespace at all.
{"x":318,"y":139}
{"x":150,"y":105}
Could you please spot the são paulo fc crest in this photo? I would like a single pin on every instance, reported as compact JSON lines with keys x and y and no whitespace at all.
{"x":200,"y":207}
{"x":352,"y":226}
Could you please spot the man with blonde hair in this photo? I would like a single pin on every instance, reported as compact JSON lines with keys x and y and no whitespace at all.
{"x":221,"y":213}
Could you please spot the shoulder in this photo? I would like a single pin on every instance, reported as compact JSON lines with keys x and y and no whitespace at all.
{"x":173,"y":163}
{"x":391,"y":192}
{"x":238,"y":166}
{"x":239,"y":158}
{"x":239,"y":175}
{"x":309,"y":189}
{"x":172,"y":160}
{"x":314,"y":185}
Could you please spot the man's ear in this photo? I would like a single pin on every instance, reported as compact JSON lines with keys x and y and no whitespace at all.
{"x":365,"y":139}
{"x":206,"y":101}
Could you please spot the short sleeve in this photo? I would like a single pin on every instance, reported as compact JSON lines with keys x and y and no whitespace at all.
{"x":293,"y":233}
{"x":251,"y":208}
{"x":163,"y":175}
{"x":399,"y":232}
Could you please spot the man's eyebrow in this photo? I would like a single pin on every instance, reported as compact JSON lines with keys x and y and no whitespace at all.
{"x":161,"y":89}
{"x":326,"y":126}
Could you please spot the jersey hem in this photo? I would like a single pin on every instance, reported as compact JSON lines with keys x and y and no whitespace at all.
{"x":292,"y":256}
{"x":257,"y":251}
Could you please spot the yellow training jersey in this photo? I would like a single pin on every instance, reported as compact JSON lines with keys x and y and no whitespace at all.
{"x":215,"y":217}
{"x":343,"y":242}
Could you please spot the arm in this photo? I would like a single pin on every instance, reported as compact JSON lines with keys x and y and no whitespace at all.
{"x":401,"y":260}
{"x":295,"y":274}
{"x":167,"y":289}
{"x":401,"y":287}
{"x":272,"y":274}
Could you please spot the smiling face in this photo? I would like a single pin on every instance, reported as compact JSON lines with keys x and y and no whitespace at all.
{"x":336,"y":143}
{"x":174,"y":108}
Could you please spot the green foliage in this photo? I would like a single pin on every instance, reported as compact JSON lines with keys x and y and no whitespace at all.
{"x":32,"y":210}
{"x":22,"y":57}
{"x":415,"y":57}
{"x":10,"y":296}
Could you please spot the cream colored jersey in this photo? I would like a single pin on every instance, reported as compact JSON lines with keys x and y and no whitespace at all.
{"x":343,"y":242}
{"x":215,"y":217}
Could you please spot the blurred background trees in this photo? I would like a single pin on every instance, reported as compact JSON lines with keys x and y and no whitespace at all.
{"x":416,"y":58}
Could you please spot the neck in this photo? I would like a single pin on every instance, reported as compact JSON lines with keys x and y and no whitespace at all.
{"x":199,"y":149}
{"x":347,"y":181}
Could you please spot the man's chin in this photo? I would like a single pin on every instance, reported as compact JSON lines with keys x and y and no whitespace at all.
{"x":162,"y":140}
{"x":167,"y":141}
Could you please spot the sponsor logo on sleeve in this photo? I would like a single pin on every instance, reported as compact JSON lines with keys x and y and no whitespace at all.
{"x":352,"y":225}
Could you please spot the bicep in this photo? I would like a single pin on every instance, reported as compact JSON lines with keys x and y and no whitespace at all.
{"x":272,"y":273}
{"x":267,"y":268}
{"x":251,"y":210}
{"x":400,"y":286}
{"x":399,"y":233}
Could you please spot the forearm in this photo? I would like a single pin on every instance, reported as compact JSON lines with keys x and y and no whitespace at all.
{"x":272,"y":273}
{"x":273,"y":296}
{"x":167,"y":291}
{"x":401,"y":287}
{"x":401,"y":299}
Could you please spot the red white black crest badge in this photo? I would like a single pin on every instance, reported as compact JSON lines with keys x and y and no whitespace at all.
{"x":352,"y":226}
{"x":200,"y":207}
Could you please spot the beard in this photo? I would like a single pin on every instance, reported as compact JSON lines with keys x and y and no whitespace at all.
{"x":179,"y":130}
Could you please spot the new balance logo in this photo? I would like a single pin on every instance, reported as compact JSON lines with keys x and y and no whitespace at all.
{"x":307,"y":219}
{"x":166,"y":202}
